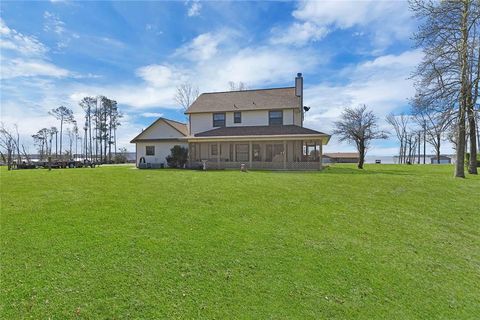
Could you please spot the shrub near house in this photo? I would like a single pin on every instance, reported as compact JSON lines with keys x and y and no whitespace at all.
{"x":178,"y":157}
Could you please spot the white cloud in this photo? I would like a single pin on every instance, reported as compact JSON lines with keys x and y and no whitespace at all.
{"x":201,"y":48}
{"x":260,"y":66}
{"x":30,"y":68}
{"x":25,"y":56}
{"x":385,"y":21}
{"x":256,"y":66}
{"x":52,"y":23}
{"x":342,"y":14}
{"x":298,"y":34}
{"x":383,"y":84}
{"x":13,"y":40}
{"x":194,"y":8}
{"x":152,"y":114}
{"x":156,"y":75}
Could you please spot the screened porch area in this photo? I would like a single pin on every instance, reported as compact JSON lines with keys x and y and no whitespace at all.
{"x":257,"y":154}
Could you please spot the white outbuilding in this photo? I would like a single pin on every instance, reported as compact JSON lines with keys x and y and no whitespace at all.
{"x":152,"y":145}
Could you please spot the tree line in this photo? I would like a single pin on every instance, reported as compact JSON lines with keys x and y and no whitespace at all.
{"x":97,"y":142}
{"x":447,"y":79}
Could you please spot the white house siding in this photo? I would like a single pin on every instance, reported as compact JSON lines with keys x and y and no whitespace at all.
{"x":162,"y":150}
{"x":201,"y":122}
{"x":160,"y":130}
{"x":297,"y":117}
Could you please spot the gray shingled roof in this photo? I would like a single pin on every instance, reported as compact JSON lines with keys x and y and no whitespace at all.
{"x":179,"y":126}
{"x":261,"y":99}
{"x":257,"y":131}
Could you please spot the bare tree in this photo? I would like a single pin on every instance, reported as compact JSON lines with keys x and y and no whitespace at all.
{"x":399,"y":123}
{"x":8,"y":143}
{"x":88,"y":104}
{"x":237,"y":86}
{"x":450,"y":72}
{"x":186,"y":95}
{"x":53,"y":132}
{"x":359,"y":126}
{"x":41,"y":140}
{"x":435,"y":121}
{"x":64,"y":115}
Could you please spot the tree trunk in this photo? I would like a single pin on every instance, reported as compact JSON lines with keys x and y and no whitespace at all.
{"x":361,"y":160}
{"x":401,"y":151}
{"x":424,"y":143}
{"x":472,"y":163}
{"x":61,"y":130}
{"x":438,"y":149}
{"x":110,"y":135}
{"x":460,"y":165}
{"x":9,"y":159}
{"x":56,"y":144}
{"x":90,"y":131}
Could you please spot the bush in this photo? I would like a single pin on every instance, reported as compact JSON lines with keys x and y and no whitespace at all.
{"x":121,"y":156}
{"x":178,"y":157}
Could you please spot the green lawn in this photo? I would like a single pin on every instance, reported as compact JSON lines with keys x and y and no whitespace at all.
{"x":396,"y":242}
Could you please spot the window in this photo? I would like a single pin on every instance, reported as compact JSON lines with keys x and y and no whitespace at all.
{"x":213,"y":150}
{"x":150,"y":150}
{"x":219,"y":119}
{"x":241,"y":153}
{"x":237,"y":117}
{"x":275,"y":118}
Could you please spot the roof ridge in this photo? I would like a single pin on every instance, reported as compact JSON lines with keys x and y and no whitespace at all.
{"x":173,"y":120}
{"x":248,"y":90}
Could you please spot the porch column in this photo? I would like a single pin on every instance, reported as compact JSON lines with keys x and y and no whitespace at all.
{"x":250,"y":151}
{"x":218,"y":155}
{"x":315,"y":151}
{"x":284,"y":154}
{"x":189,"y":154}
{"x":320,"y":154}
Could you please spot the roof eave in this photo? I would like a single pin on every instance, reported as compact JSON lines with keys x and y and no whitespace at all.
{"x":324,"y":137}
{"x":159,"y":140}
{"x":240,"y":110}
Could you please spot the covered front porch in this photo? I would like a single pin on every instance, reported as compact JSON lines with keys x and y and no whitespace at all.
{"x":257,"y":153}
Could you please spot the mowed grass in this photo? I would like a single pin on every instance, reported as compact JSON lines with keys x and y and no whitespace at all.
{"x":396,"y":242}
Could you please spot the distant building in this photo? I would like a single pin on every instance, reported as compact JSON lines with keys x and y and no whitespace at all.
{"x":443,"y":160}
{"x":342,"y":157}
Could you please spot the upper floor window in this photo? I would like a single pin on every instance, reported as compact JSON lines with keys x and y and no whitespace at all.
{"x":237,"y":117}
{"x":150,"y":150}
{"x":219,"y":119}
{"x":275,"y":117}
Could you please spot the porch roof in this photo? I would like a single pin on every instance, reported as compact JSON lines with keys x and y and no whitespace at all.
{"x":284,"y":132}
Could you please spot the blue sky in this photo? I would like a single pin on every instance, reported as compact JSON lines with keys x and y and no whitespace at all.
{"x":350,"y":52}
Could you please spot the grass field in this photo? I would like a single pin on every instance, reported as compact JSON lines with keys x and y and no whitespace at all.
{"x":396,"y":242}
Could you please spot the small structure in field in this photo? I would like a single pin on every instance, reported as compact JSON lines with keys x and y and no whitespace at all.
{"x":342,"y":157}
{"x":443,"y":160}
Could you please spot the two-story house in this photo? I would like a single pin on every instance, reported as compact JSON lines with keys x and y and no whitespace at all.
{"x":262,"y":129}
